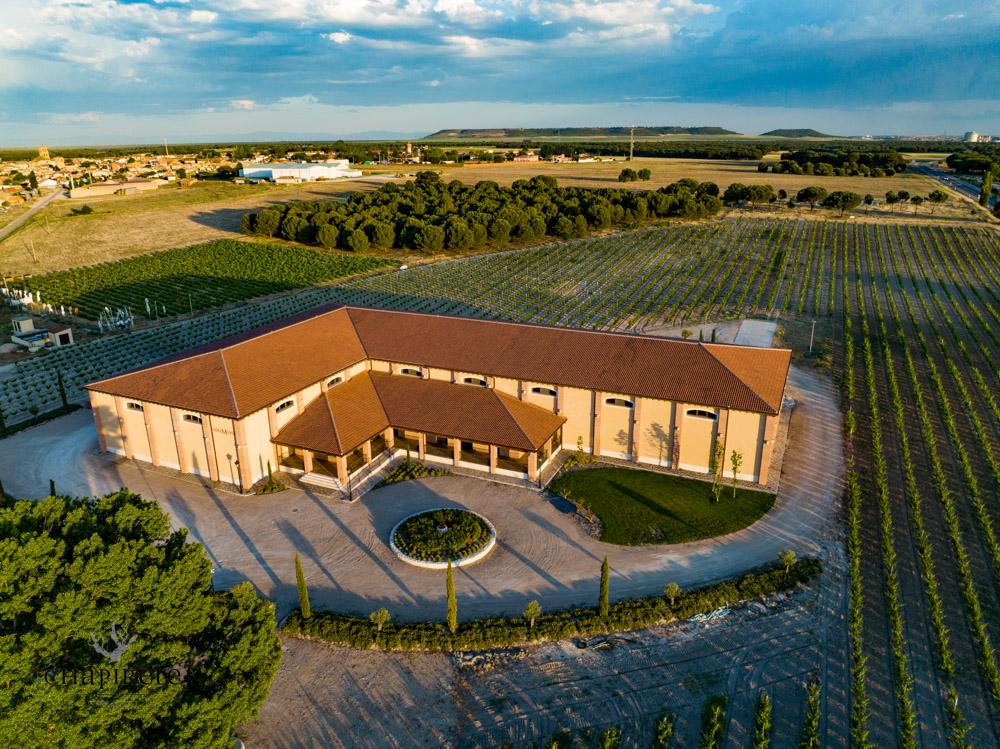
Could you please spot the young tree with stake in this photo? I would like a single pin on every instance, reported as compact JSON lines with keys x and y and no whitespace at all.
{"x":735,"y":460}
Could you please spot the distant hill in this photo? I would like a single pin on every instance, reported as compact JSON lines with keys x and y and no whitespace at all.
{"x":577,"y":132}
{"x":802,"y":132}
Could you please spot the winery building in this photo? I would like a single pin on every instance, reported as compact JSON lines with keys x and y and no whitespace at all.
{"x":332,"y":391}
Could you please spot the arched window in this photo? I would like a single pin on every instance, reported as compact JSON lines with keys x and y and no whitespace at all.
{"x":192,"y":418}
{"x":411,"y":372}
{"x":474,"y":381}
{"x":620,"y":402}
{"x":539,"y":390}
{"x":133,"y":406}
{"x":284,"y":406}
{"x":699,"y":413}
{"x":335,"y":381}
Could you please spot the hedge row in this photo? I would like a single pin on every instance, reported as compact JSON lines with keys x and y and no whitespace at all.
{"x":478,"y":634}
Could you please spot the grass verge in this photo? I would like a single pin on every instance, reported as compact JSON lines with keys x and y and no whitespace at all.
{"x":644,"y":507}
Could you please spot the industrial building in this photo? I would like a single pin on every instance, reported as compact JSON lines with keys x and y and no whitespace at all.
{"x":339,"y":169}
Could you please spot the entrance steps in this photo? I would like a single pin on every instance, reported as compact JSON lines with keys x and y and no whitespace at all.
{"x":320,"y":479}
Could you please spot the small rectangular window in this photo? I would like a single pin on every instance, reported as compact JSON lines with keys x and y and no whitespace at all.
{"x":335,"y":381}
{"x":192,"y":418}
{"x":699,"y":413}
{"x":132,"y":406}
{"x":474,"y":381}
{"x":411,"y":372}
{"x":284,"y":406}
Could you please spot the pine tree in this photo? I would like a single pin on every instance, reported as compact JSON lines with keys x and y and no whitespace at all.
{"x":605,"y":586}
{"x":452,"y":603}
{"x":300,"y":580}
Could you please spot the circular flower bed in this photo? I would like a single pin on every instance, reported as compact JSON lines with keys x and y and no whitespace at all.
{"x":433,"y":538}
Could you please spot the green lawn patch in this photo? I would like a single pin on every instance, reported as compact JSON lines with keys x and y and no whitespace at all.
{"x":643,"y":507}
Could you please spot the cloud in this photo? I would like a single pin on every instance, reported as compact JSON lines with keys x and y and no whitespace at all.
{"x":339,"y":37}
{"x":60,"y":119}
{"x":433,"y":83}
{"x":203,"y":16}
{"x":243,"y":104}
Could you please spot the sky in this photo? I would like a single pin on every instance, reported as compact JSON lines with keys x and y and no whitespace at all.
{"x":75,"y":72}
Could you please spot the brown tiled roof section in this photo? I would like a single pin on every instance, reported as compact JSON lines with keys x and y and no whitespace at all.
{"x":765,"y":370}
{"x":666,"y":368}
{"x":200,"y":385}
{"x":339,"y":420}
{"x":469,"y":412}
{"x":261,"y":366}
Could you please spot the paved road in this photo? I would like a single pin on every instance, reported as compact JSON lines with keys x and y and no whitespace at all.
{"x":950,"y":181}
{"x":31,"y":212}
{"x":541,"y":553}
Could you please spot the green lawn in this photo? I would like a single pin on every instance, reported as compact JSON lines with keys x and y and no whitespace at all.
{"x":643,"y":507}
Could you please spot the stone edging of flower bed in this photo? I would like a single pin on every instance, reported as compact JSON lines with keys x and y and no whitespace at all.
{"x":463,"y":562}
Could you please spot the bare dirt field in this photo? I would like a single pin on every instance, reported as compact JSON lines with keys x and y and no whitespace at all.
{"x":146,"y":223}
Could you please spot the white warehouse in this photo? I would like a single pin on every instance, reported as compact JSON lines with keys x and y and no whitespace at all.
{"x":339,"y":169}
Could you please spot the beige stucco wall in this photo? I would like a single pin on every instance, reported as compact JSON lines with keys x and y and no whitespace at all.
{"x":577,"y":406}
{"x":158,"y":418}
{"x":192,"y":439}
{"x":697,"y":436}
{"x":656,"y":432}
{"x":224,"y":437}
{"x":616,"y":428}
{"x":105,"y":406}
{"x":259,"y":446}
{"x":135,"y":428}
{"x":745,"y":434}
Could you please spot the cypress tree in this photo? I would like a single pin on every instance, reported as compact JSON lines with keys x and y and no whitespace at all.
{"x":605,"y":581}
{"x":300,"y":580}
{"x":62,"y":389}
{"x":452,"y":603}
{"x":984,"y":194}
{"x":52,"y":488}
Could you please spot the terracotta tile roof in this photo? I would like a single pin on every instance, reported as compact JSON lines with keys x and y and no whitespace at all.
{"x":349,"y":414}
{"x":259,"y":367}
{"x":264,"y":365}
{"x":338,"y":421}
{"x":666,"y":368}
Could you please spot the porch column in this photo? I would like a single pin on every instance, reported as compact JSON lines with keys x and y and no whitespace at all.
{"x":367,"y":449}
{"x":421,"y":444}
{"x":307,"y":460}
{"x":101,"y":441}
{"x":342,"y":469}
{"x":213,"y":459}
{"x":493,"y":458}
{"x":636,"y":429}
{"x":243,"y":454}
{"x":457,"y":450}
{"x":182,"y":458}
{"x":533,"y":466}
{"x":390,"y":438}
{"x":598,"y":402}
{"x":123,"y":427}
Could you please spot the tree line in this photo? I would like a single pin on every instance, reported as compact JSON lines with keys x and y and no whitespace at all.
{"x":430,"y":215}
{"x":839,"y":163}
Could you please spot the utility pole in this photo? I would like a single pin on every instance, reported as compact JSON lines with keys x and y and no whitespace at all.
{"x":631,"y":141}
{"x":165,"y":149}
{"x":811,"y":338}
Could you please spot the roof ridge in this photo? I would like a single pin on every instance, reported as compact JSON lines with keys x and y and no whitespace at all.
{"x":225,"y":372}
{"x":613,"y":333}
{"x":333,"y":421}
{"x":357,"y":332}
{"x":512,"y":416}
{"x":737,"y":377}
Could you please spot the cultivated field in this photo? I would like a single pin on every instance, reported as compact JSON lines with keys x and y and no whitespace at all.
{"x":909,"y":318}
{"x":57,"y":239}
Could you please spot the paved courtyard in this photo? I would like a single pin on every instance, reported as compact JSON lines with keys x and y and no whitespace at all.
{"x":541,"y":552}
